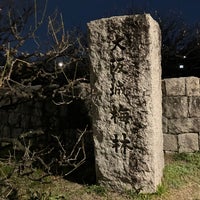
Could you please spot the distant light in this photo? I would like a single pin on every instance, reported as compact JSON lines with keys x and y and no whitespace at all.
{"x":184,"y":57}
{"x":181,"y":66}
{"x":60,"y":64}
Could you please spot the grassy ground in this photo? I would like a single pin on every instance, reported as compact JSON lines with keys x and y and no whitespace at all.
{"x":181,"y":181}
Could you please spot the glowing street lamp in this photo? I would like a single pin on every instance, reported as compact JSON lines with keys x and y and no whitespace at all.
{"x":60,"y":64}
{"x":181,"y":66}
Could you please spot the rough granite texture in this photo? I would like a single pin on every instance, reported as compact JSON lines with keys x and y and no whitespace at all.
{"x":126,"y":102}
{"x":181,"y":114}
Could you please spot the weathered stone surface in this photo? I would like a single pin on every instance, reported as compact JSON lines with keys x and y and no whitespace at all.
{"x":164,"y":124}
{"x":170,"y":143}
{"x":5,"y":131}
{"x":188,"y":142}
{"x":15,"y":132}
{"x":175,"y":86}
{"x":35,"y":121}
{"x":194,"y":106}
{"x":14,"y":119}
{"x":82,"y":90}
{"x":4,"y":101}
{"x":37,"y":111}
{"x":163,"y":87}
{"x":25,"y":122}
{"x":181,"y":110}
{"x":192,"y":86}
{"x":126,"y":108}
{"x":184,"y":125}
{"x":4,"y":116}
{"x":175,"y":107}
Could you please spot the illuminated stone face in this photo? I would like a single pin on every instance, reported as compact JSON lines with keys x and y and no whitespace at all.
{"x":126,"y":95}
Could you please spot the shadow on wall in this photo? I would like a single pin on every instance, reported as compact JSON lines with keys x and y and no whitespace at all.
{"x":43,"y":119}
{"x":79,"y":119}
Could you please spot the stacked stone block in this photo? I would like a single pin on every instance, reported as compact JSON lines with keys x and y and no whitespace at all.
{"x":20,"y":116}
{"x":181,"y":114}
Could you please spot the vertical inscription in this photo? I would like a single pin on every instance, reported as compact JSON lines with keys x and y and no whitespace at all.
{"x":117,"y":42}
{"x":116,"y":144}
{"x":119,"y":113}
{"x":123,"y":144}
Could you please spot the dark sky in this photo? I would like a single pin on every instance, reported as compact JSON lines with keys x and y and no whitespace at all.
{"x":79,"y":12}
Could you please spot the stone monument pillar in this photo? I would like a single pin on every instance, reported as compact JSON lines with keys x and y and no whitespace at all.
{"x":125,"y":54}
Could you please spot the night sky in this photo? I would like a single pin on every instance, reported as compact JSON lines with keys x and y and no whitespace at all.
{"x":79,"y":12}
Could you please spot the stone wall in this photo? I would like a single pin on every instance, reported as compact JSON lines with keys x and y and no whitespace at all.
{"x":181,"y":114}
{"x":18,"y":115}
{"x":38,"y":120}
{"x":23,"y":116}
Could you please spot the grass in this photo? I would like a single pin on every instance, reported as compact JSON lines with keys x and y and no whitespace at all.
{"x":5,"y":170}
{"x":181,"y":177}
{"x":97,"y":189}
{"x":181,"y":180}
{"x":184,"y":168}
